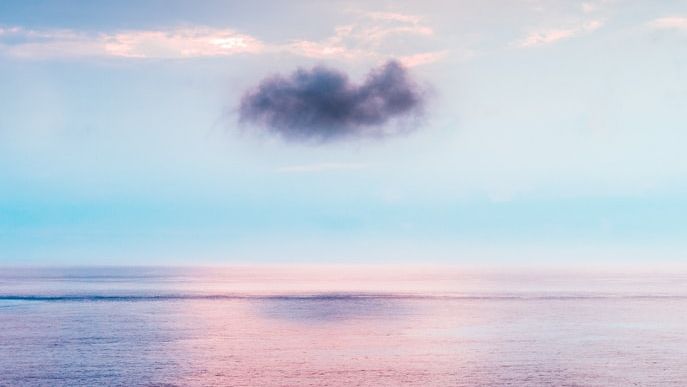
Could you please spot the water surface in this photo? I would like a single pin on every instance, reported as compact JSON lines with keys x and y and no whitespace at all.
{"x":341,"y":326}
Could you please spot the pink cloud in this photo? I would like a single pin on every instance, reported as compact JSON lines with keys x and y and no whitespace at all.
{"x":370,"y":36}
{"x":670,"y":22}
{"x":422,"y":58}
{"x":173,"y":43}
{"x":391,"y":16}
{"x":181,"y":43}
{"x":549,"y":36}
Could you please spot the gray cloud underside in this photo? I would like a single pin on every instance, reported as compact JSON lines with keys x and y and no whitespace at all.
{"x":322,"y":104}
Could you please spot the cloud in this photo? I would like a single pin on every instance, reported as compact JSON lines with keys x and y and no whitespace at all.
{"x":670,"y":23}
{"x":549,"y":36}
{"x":422,"y":58}
{"x":322,"y":104}
{"x":589,"y":7}
{"x":393,"y":16}
{"x":370,"y":36}
{"x":321,"y":167}
{"x":171,"y":43}
{"x":181,"y":43}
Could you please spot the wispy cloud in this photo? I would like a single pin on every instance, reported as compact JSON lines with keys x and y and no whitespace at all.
{"x":422,"y":58}
{"x":367,"y":37}
{"x":596,"y":6}
{"x":393,"y":16}
{"x":321,"y":167}
{"x":553,"y":35}
{"x":180,"y":43}
{"x":171,"y":43}
{"x":670,"y":23}
{"x":589,"y":7}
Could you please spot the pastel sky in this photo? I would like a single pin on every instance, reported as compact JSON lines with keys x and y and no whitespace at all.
{"x":554,"y":132}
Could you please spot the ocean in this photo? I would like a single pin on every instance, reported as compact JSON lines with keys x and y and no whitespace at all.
{"x":342,"y":325}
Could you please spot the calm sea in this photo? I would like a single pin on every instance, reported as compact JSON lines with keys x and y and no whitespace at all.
{"x":341,"y":326}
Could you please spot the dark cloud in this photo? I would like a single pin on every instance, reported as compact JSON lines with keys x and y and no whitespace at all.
{"x":322,"y":104}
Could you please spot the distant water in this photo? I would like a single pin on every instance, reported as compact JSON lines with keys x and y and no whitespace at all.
{"x":341,"y":326}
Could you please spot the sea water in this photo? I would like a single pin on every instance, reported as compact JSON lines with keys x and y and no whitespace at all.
{"x":303,"y":325}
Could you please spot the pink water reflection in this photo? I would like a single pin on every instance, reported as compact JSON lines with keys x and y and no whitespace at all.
{"x":343,"y":326}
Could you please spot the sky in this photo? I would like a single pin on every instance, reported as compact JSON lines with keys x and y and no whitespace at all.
{"x":547,"y":132}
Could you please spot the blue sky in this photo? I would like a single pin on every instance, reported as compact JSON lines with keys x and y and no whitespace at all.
{"x":554,"y":133}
